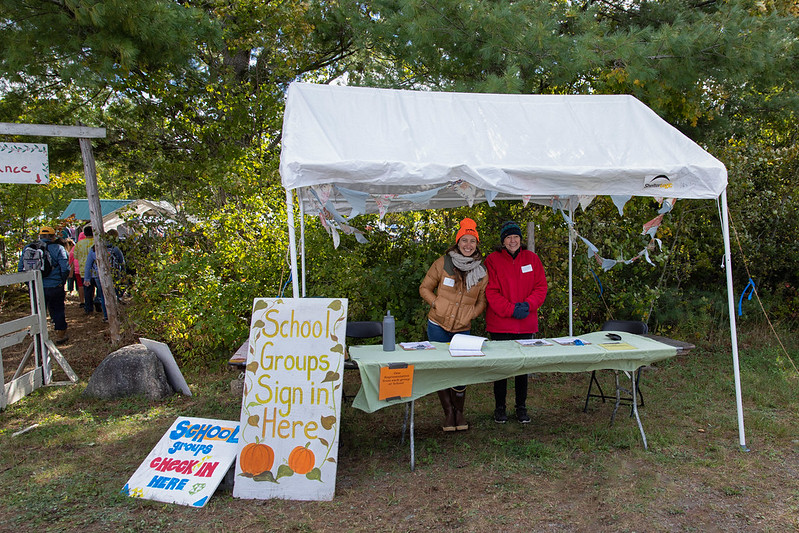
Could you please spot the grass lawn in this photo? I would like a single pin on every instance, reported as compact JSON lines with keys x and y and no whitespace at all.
{"x":566,"y":471}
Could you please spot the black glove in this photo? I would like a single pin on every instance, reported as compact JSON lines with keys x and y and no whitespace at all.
{"x":521,"y":310}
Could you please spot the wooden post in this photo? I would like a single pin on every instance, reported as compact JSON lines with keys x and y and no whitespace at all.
{"x":531,"y":236}
{"x":103,"y":260}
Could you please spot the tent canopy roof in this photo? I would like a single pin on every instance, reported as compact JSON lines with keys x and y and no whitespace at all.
{"x":385,"y":141}
{"x":79,"y":208}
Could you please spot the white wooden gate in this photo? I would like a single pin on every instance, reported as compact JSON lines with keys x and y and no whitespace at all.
{"x":41,"y":347}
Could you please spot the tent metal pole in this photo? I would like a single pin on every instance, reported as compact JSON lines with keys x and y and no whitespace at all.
{"x":571,"y":254}
{"x":302,"y":239}
{"x":733,"y":330}
{"x":292,"y":242}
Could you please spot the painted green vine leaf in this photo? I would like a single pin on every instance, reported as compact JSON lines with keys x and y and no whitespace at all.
{"x":315,"y":475}
{"x":328,"y":421}
{"x":331,"y":376}
{"x":284,"y":471}
{"x":265,"y":476}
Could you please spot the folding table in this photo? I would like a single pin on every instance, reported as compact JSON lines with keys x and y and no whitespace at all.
{"x":437,"y":369}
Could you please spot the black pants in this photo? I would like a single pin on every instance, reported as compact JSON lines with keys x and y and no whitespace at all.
{"x":501,"y":386}
{"x":54,"y":301}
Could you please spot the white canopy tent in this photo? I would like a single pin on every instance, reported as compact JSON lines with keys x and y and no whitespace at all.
{"x":353,"y":150}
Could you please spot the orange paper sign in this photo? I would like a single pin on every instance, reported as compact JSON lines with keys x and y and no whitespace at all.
{"x":396,"y":381}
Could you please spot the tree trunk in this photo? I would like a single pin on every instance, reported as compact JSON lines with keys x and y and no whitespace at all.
{"x":103,"y":261}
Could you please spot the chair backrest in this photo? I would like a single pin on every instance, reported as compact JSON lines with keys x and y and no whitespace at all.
{"x":364,"y":330}
{"x":627,"y":326}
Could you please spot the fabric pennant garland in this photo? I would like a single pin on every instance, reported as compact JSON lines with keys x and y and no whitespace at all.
{"x":323,"y":221}
{"x":585,"y":201}
{"x":667,"y":206}
{"x":323,"y":192}
{"x":336,"y":237}
{"x":607,"y":264}
{"x":651,"y":227}
{"x":620,"y":202}
{"x":490,"y":195}
{"x":420,"y":198}
{"x":592,"y":250}
{"x":466,"y":190}
{"x":356,"y":199}
{"x":383,"y":201}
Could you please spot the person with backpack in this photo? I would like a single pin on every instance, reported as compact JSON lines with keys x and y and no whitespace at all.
{"x":51,"y":258}
{"x":93,"y":276}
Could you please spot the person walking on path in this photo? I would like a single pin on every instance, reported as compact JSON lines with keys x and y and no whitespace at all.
{"x":454,"y":287}
{"x":82,"y":248}
{"x":517,"y":287}
{"x":93,"y":275}
{"x":53,"y":282}
{"x":74,"y":281}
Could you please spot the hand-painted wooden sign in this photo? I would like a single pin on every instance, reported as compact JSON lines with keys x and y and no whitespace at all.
{"x":24,"y":163}
{"x":290,"y":412}
{"x":188,"y":463}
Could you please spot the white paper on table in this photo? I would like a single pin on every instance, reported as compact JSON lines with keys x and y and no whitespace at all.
{"x":533,"y":342}
{"x":463,"y":345}
{"x":420,"y":345}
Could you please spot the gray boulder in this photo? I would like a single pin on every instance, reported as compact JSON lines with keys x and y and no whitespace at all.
{"x":130,"y":371}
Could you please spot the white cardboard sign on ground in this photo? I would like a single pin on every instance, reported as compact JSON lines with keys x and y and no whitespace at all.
{"x":173,"y":373}
{"x":188,"y":463}
{"x":290,"y":411}
{"x":24,"y":163}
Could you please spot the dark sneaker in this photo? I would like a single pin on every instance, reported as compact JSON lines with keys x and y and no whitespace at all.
{"x":522,"y":416}
{"x":499,"y":415}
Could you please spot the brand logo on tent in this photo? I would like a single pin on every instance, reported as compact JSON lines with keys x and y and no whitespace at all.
{"x":660,"y":181}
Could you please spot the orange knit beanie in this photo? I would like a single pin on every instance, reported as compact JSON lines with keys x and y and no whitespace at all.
{"x":468,"y":227}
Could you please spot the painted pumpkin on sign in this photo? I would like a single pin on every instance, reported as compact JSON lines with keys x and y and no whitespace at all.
{"x":301,"y":460}
{"x":256,"y":459}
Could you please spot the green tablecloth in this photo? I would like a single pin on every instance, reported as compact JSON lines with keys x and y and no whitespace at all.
{"x":437,"y":369}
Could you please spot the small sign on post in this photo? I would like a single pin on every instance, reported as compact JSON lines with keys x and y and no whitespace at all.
{"x":24,"y":163}
{"x":290,"y":412}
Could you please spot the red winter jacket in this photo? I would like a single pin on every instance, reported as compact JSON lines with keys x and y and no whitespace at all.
{"x":510,"y":281}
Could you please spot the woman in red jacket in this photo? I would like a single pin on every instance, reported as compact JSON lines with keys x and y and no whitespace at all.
{"x":517,"y":287}
{"x":454,"y":287}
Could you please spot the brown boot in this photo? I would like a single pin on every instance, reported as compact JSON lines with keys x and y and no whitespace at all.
{"x":458,"y":400}
{"x":449,"y":412}
{"x":61,"y":336}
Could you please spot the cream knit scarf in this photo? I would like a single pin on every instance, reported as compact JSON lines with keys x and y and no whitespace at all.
{"x":474,"y":269}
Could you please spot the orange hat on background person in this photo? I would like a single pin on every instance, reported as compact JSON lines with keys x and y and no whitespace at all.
{"x":47,"y":230}
{"x":468,"y":227}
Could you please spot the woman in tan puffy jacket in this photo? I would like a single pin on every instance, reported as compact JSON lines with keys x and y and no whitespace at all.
{"x":454,"y":286}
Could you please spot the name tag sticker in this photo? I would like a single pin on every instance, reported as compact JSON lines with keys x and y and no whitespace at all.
{"x":527,"y":268}
{"x":449,"y":282}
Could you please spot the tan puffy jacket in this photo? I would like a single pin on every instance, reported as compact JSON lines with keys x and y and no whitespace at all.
{"x":451,"y":306}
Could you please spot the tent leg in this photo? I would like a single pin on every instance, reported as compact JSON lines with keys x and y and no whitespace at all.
{"x":571,"y":261}
{"x":302,"y":239}
{"x":292,"y":242}
{"x":733,"y":330}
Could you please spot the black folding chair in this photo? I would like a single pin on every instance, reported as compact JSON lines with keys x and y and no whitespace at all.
{"x":627,"y":326}
{"x":360,"y":330}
